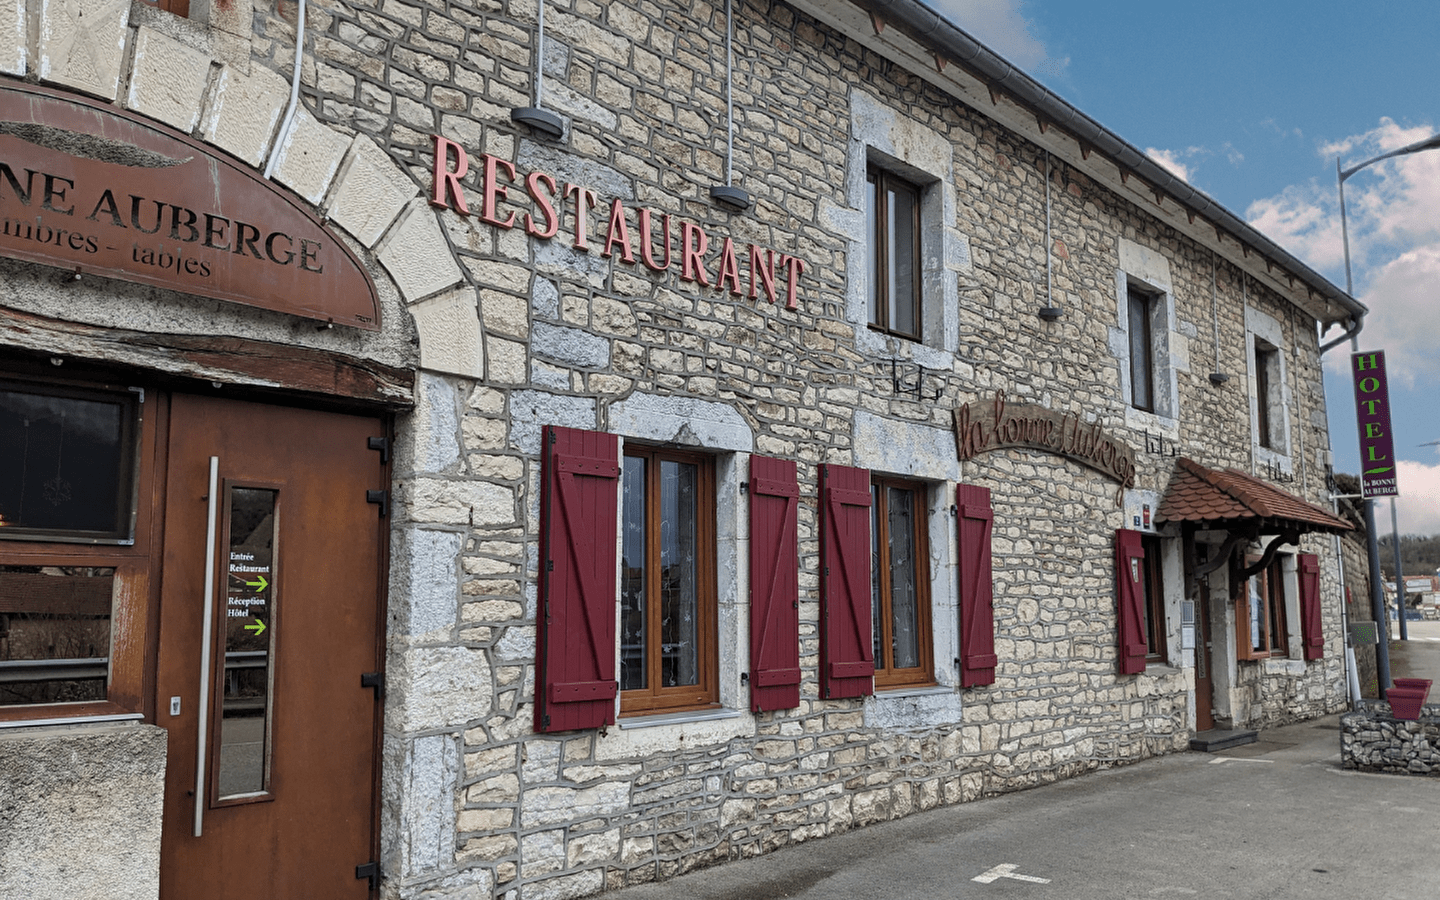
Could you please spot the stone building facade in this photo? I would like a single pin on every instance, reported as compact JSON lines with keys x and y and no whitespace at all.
{"x":544,"y":302}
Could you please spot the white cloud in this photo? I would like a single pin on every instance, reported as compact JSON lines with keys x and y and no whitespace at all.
{"x":1003,"y":27}
{"x":1170,"y":160}
{"x":1418,"y":506}
{"x":1394,"y":242}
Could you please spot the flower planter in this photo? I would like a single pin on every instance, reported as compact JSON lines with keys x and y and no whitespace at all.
{"x":1407,"y":697}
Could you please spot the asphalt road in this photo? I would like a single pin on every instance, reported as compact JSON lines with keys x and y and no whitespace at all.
{"x":1275,"y":819}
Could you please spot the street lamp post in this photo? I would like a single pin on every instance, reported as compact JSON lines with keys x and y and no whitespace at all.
{"x":1377,"y":597}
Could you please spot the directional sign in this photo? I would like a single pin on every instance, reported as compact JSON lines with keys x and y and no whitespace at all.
{"x":258,"y":627}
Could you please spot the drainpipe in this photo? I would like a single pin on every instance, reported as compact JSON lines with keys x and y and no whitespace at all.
{"x":288,"y":121}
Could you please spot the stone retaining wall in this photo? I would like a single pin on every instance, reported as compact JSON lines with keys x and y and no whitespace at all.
{"x":1372,"y":740}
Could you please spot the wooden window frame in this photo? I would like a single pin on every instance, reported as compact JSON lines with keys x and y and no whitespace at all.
{"x":887,"y":676}
{"x":1156,"y":633}
{"x":1267,"y":364}
{"x":880,"y":180}
{"x":705,"y":694}
{"x":1274,"y":624}
{"x":134,"y":605}
{"x":180,"y":8}
{"x":1146,"y":364}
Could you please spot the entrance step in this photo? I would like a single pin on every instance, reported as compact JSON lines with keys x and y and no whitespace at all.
{"x":1218,"y":739}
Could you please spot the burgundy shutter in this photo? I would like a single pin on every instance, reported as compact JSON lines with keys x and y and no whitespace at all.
{"x":1312,"y":635}
{"x":977,"y":608}
{"x":1130,"y":594}
{"x":774,"y":585}
{"x":575,"y":641}
{"x":847,"y":657}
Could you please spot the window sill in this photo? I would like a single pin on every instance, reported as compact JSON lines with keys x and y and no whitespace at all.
{"x":1160,"y":668}
{"x":72,"y":720}
{"x":919,"y":690}
{"x":677,"y":718}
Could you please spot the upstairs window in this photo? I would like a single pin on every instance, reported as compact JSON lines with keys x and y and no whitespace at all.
{"x":667,"y":582}
{"x":1141,"y":311}
{"x":899,"y":584}
{"x":892,"y":210}
{"x":1268,"y":422}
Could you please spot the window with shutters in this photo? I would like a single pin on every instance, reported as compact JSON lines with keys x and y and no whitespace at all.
{"x":667,"y":582}
{"x":900,"y":584}
{"x":1143,"y":612}
{"x":1262,"y":609}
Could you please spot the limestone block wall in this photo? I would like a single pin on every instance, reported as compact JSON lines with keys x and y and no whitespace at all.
{"x":81,"y":822}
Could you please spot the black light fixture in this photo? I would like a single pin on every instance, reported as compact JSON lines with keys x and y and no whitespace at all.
{"x":1218,"y":378}
{"x":728,"y":195}
{"x":539,"y":119}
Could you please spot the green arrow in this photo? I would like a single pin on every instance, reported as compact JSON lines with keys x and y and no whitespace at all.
{"x":258,"y":628}
{"x":260,"y":585}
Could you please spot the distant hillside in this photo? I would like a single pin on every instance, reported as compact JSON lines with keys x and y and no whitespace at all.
{"x":1419,"y":554}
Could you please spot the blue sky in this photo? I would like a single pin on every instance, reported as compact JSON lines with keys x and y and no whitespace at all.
{"x":1251,"y":102}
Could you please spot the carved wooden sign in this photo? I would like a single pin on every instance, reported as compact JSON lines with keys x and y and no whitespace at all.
{"x":981,"y":427}
{"x":95,"y":189}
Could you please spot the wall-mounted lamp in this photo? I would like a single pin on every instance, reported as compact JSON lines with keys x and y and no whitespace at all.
{"x":537,"y":117}
{"x":728,"y":195}
{"x":1218,"y":378}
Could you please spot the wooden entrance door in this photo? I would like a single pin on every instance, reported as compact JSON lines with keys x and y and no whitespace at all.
{"x":1204,"y":685}
{"x":271,"y":780}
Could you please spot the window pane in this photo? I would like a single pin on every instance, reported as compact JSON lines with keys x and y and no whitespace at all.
{"x":877,"y":567}
{"x":64,"y":466}
{"x":1257,"y":615}
{"x":249,"y":636}
{"x":632,"y":578}
{"x":904,"y":610}
{"x":1140,"y":355}
{"x":54,"y":633}
{"x":1275,"y":581}
{"x":1264,"y":360}
{"x":904,"y":260}
{"x":872,"y":248}
{"x":679,"y":575}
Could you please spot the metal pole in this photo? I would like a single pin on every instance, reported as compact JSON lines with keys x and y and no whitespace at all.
{"x":1377,"y":591}
{"x":1399,"y":575}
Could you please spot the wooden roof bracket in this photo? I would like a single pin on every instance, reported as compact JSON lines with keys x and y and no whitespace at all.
{"x":1292,"y":536}
{"x":876,"y":22}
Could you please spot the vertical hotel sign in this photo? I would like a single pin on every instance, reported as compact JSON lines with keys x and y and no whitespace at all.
{"x":1372,"y":413}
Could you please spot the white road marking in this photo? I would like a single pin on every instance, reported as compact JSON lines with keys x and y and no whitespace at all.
{"x":1007,"y":870}
{"x":1225,"y":759}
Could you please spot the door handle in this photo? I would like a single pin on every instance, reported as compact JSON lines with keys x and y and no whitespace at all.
{"x":202,"y":707}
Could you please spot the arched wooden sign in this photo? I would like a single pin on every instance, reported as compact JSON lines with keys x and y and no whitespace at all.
{"x":981,"y":427}
{"x":94,"y":189}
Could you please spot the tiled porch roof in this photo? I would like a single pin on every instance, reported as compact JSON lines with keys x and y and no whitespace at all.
{"x":1214,"y":497}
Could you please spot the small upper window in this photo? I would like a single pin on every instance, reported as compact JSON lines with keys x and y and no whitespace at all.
{"x":892,"y":209}
{"x":67,"y":463}
{"x":1267,"y":404}
{"x":900,"y":584}
{"x":1142,"y":355}
{"x":667,"y":583}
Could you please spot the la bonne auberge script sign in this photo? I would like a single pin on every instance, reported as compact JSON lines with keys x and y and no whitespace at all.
{"x":981,"y":427}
